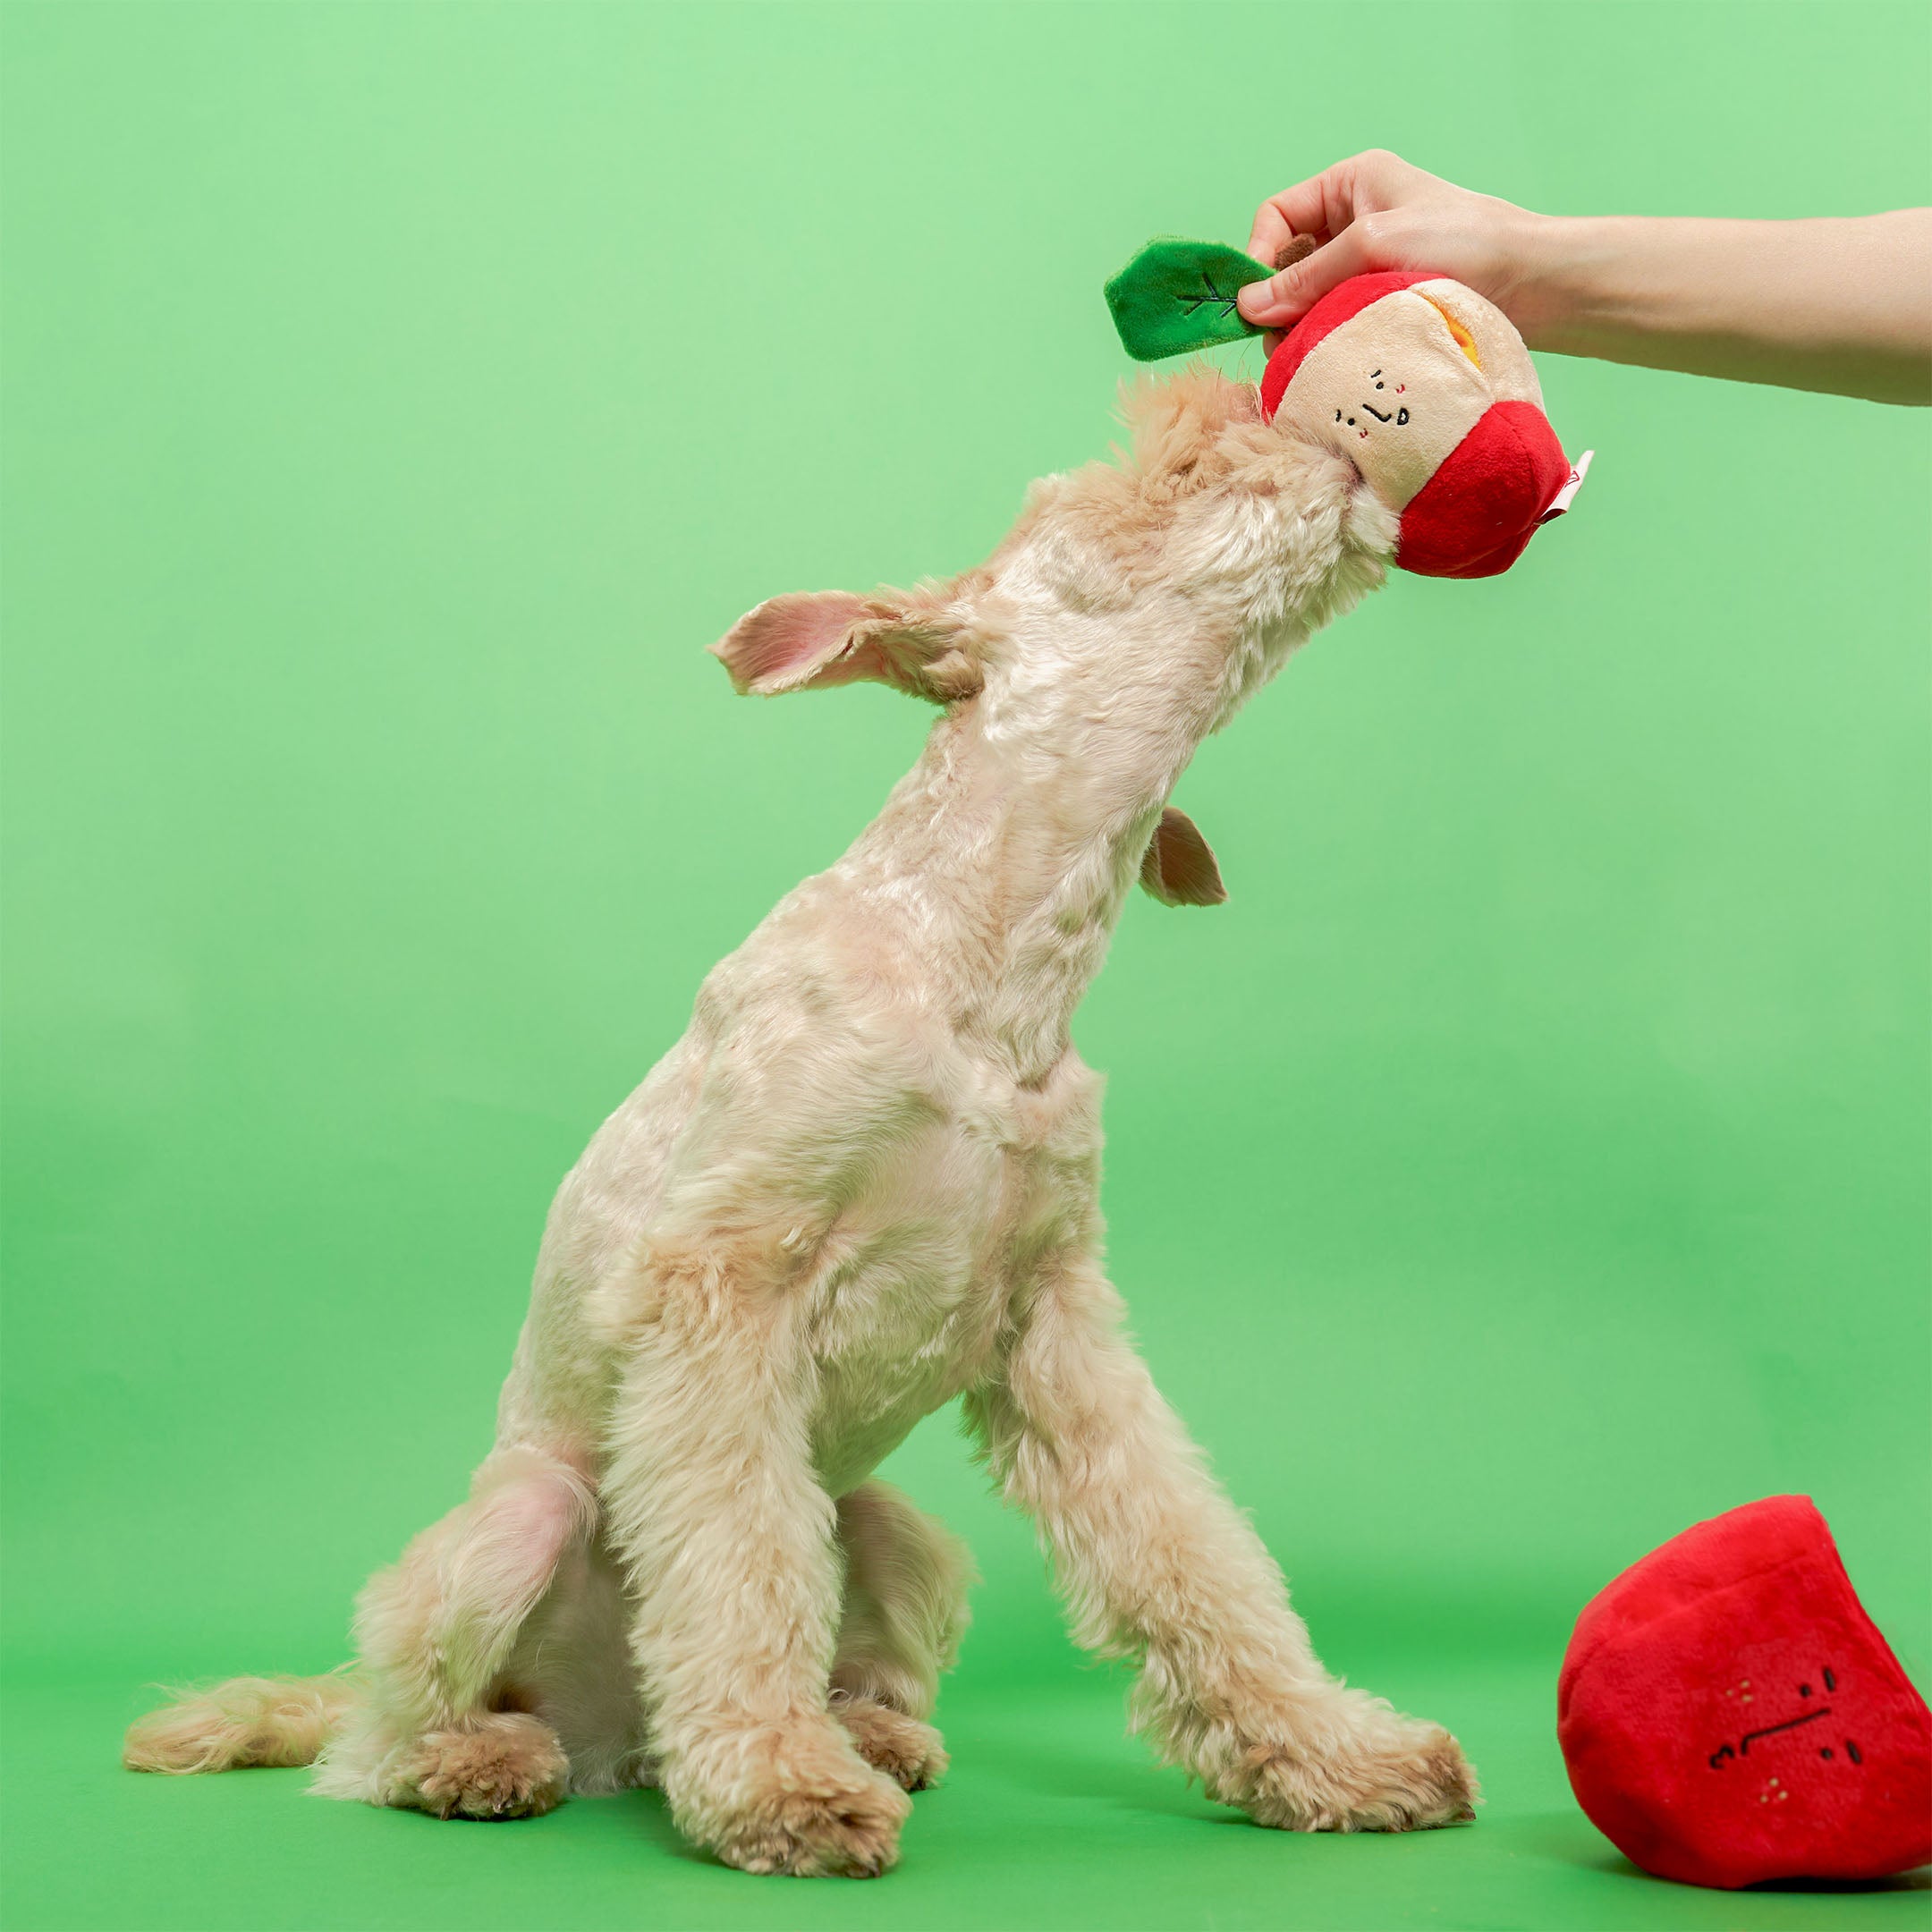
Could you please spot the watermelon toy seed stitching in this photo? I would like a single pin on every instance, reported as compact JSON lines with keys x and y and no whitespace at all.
{"x":1425,"y":386}
{"x":1729,"y":1714}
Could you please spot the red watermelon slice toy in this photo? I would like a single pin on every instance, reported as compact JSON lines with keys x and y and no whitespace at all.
{"x":1729,"y":1714}
{"x":1425,"y":386}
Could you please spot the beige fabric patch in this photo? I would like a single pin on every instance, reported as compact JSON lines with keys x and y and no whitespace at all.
{"x":1391,"y":390}
{"x":1504,"y":360}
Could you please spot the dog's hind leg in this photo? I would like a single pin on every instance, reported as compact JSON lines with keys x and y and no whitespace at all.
{"x":906,"y":1577}
{"x":442,"y":1730}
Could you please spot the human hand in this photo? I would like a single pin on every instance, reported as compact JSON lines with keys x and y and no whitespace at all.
{"x":1374,"y":212}
{"x":1833,"y":303}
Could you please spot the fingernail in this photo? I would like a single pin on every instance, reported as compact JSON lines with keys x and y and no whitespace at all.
{"x":1255,"y":299}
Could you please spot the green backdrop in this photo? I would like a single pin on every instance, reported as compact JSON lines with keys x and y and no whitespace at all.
{"x":1531,"y":1159}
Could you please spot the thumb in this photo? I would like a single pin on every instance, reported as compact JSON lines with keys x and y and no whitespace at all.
{"x":1284,"y":298}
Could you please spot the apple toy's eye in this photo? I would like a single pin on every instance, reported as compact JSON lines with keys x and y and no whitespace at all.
{"x":1401,"y":416}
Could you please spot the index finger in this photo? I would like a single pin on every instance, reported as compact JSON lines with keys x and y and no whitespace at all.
{"x":1270,"y":230}
{"x":1321,"y":206}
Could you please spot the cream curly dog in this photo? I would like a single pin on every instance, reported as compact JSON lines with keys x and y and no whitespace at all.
{"x":864,"y":1182}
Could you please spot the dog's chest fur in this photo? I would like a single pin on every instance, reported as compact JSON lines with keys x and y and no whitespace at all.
{"x":903,"y":1292}
{"x":914,"y":1288}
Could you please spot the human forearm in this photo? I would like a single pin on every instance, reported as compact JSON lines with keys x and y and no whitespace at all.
{"x":1838,"y":305}
{"x":1842,"y":305}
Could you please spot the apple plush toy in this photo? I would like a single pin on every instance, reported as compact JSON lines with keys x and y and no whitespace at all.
{"x":1424,"y":386}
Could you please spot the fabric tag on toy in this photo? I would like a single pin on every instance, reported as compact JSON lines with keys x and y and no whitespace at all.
{"x":1566,"y":495}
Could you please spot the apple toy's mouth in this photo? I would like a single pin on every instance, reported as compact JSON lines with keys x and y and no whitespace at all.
{"x":1395,"y":416}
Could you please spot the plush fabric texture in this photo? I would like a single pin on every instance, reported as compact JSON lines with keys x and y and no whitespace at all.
{"x":1493,"y":343}
{"x":1477,"y":515}
{"x":1428,"y":391}
{"x":1392,"y":391}
{"x":1338,"y":305}
{"x":1729,"y":1714}
{"x":1176,"y":296}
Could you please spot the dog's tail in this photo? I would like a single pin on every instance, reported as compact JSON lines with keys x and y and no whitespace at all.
{"x":246,"y":1721}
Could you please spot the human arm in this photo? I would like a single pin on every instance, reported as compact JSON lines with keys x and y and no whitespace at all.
{"x":1842,"y":305}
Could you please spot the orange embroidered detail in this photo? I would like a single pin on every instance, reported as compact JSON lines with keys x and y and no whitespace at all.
{"x":1465,"y":341}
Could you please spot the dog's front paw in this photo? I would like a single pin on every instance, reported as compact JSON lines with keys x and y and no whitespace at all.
{"x":1386,"y":1774}
{"x":509,"y":1766}
{"x":803,"y":1802}
{"x":905,"y":1749}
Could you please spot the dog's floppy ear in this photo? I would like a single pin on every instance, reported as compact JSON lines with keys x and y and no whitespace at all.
{"x":807,"y":639}
{"x":1179,"y":868}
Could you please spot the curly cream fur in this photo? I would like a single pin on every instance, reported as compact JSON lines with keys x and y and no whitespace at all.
{"x":864,"y":1182}
{"x":272,"y":1721}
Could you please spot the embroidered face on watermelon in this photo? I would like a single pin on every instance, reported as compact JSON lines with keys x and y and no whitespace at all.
{"x":1778,"y":1729}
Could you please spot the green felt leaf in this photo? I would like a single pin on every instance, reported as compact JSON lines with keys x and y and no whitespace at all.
{"x":1176,"y":295}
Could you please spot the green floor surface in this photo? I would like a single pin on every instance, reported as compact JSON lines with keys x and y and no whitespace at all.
{"x":1050,"y":1818}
